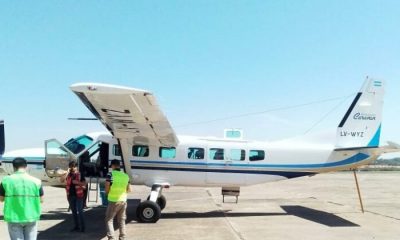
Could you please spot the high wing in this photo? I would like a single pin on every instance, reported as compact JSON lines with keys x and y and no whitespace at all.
{"x":128,"y":113}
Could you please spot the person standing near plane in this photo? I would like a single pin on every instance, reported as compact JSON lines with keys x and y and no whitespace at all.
{"x":116,"y":188}
{"x":75,"y":184}
{"x":22,"y":195}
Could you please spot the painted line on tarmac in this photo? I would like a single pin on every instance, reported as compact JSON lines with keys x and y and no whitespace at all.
{"x":226,"y":217}
{"x":383,"y":215}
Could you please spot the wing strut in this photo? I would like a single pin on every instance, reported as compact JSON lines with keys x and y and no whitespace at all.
{"x":125,"y":150}
{"x":358,"y":191}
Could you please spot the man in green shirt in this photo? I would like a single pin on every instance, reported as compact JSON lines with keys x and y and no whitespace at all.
{"x":116,"y":188}
{"x":22,"y":195}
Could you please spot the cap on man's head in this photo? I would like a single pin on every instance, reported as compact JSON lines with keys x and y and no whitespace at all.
{"x":19,"y":162}
{"x":115,"y":162}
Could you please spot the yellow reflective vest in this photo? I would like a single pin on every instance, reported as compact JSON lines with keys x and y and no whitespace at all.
{"x":118,"y":187}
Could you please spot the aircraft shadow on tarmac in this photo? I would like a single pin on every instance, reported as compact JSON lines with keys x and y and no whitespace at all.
{"x":321,"y":217}
{"x":324,"y":218}
{"x":95,"y":225}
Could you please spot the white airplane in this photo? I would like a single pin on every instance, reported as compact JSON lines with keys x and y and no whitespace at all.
{"x":153,"y":155}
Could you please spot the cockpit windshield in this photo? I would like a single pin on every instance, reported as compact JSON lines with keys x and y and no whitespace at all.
{"x":76,"y":145}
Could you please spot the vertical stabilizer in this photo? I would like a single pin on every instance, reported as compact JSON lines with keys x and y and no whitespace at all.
{"x":361,"y":125}
{"x":2,"y":138}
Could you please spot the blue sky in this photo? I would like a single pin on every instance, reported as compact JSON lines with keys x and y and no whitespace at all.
{"x":202,"y":59}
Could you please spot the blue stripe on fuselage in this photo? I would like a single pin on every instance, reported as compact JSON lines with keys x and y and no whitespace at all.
{"x":275,"y":173}
{"x":244,"y":168}
{"x":353,"y":159}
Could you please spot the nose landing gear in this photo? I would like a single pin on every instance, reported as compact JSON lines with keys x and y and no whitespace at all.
{"x":149,"y":211}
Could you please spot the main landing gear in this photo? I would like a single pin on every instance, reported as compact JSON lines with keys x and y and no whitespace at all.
{"x":149,"y":211}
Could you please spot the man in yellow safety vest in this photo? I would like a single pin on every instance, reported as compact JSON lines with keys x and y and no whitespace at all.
{"x":116,"y":187}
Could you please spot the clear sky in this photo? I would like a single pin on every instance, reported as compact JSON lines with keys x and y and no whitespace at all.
{"x":202,"y":59}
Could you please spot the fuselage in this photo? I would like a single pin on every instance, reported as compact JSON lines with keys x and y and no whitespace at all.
{"x":203,"y":161}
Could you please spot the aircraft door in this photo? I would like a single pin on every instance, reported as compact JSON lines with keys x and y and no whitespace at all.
{"x":103,"y":155}
{"x":93,"y":162}
{"x":57,"y":158}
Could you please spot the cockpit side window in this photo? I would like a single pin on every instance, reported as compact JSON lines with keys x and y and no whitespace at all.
{"x":116,"y":150}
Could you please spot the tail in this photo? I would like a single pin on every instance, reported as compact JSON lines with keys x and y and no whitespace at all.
{"x":361,"y":125}
{"x":2,"y":138}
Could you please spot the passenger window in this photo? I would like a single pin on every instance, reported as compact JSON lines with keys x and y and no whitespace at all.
{"x":167,"y":152}
{"x":238,"y":154}
{"x":140,"y":150}
{"x":216,"y":153}
{"x":256,"y":155}
{"x":195,"y":153}
{"x":116,"y":150}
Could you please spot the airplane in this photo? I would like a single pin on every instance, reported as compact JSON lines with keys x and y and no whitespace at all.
{"x":152,"y":154}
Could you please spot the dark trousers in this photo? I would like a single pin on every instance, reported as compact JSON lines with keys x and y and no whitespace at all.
{"x":76,"y":205}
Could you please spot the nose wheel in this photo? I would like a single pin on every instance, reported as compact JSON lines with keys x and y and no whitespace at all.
{"x":161,"y":201}
{"x":148,"y":212}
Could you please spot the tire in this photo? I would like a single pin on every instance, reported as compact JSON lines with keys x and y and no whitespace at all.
{"x":161,"y":201}
{"x":148,"y":212}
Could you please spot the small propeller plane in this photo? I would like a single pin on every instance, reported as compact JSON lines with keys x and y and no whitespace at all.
{"x":152,"y":154}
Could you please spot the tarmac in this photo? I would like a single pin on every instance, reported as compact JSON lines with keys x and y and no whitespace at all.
{"x":324,"y":206}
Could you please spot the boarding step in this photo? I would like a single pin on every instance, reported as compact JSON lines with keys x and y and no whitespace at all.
{"x":230,"y":191}
{"x":93,"y":187}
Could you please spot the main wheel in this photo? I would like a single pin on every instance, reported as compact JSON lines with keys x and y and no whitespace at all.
{"x":148,"y":212}
{"x":161,"y":201}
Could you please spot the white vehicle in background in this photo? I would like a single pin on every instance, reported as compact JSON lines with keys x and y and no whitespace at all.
{"x":153,"y":155}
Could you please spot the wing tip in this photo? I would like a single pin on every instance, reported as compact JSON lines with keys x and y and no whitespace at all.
{"x":104,"y":88}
